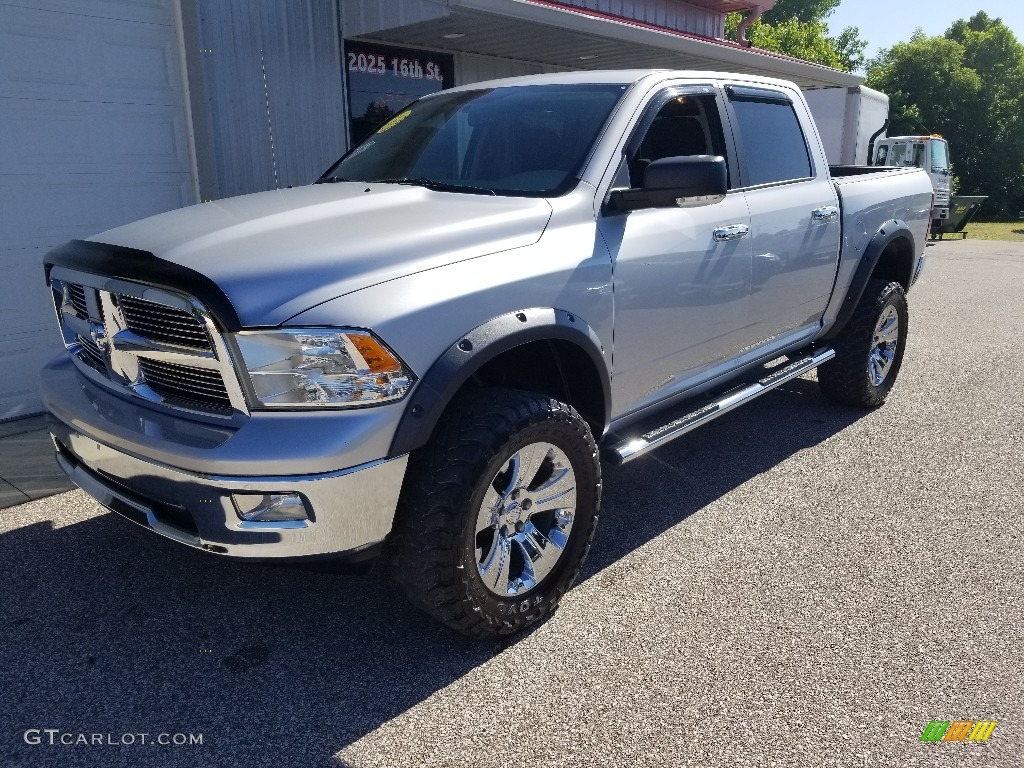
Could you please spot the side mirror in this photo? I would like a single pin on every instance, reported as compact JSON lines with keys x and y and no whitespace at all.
{"x":676,"y":182}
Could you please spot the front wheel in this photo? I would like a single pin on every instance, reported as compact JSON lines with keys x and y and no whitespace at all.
{"x":869,"y":349}
{"x":498,"y":511}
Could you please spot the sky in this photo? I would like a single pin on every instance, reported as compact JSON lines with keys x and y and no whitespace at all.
{"x":884,"y":22}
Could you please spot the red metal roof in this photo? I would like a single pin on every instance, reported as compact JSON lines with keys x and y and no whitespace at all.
{"x":727,"y":6}
{"x":562,"y":6}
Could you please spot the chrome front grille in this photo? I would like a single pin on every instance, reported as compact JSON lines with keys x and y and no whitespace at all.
{"x":163,"y":323}
{"x":91,"y":354}
{"x":76,"y":296}
{"x":186,"y":384}
{"x":155,"y":344}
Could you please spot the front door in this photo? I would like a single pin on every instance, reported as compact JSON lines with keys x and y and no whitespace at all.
{"x":681,"y":275}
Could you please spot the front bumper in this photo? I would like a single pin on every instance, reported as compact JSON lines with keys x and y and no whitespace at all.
{"x":350,"y":511}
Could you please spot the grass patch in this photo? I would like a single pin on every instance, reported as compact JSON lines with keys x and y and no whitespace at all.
{"x":995,"y":230}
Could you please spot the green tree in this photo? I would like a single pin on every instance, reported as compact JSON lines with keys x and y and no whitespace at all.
{"x":801,"y":10}
{"x":850,"y":46}
{"x":802,"y":40}
{"x":797,"y":28}
{"x":992,"y":50}
{"x":967,"y":85}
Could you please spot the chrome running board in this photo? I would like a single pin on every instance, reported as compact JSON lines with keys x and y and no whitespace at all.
{"x":638,"y":446}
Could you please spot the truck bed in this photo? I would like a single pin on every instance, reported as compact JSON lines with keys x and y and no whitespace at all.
{"x":841,"y":171}
{"x":868,"y":198}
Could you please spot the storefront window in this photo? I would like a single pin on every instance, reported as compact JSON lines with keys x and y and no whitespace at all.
{"x":381,"y":80}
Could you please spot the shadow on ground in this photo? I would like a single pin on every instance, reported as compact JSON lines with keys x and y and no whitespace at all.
{"x":654,"y":493}
{"x":105,"y":628}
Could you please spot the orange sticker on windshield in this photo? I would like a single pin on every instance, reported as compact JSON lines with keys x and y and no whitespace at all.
{"x":394,"y":121}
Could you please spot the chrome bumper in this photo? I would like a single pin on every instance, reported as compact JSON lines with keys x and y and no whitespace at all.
{"x":349,"y":511}
{"x":123,"y":455}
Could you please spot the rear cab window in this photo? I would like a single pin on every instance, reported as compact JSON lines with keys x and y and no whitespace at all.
{"x":770,"y":140}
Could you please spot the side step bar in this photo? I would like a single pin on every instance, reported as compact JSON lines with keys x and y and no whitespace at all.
{"x":636,"y":447}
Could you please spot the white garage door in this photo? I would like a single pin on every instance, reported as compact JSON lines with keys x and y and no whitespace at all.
{"x":92,"y":135}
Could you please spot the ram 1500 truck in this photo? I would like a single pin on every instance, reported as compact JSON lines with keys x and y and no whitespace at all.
{"x":429,"y":351}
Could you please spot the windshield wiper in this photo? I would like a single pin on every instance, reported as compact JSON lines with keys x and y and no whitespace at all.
{"x":332,"y":180}
{"x":437,"y":186}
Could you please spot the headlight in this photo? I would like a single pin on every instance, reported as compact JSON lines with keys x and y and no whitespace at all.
{"x":321,"y":367}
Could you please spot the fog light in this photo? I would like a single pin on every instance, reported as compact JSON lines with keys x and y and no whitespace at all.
{"x":269,"y":507}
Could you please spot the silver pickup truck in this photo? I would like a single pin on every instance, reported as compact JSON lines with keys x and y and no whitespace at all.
{"x":429,"y":352}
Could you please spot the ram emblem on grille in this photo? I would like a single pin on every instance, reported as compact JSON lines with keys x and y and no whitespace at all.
{"x":98,"y":334}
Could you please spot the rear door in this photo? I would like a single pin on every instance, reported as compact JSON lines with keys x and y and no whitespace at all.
{"x":794,"y":212}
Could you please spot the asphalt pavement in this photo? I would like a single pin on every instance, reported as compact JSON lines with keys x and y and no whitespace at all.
{"x":796,"y":584}
{"x":28,"y":469}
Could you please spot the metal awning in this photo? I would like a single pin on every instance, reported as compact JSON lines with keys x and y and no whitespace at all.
{"x":572,"y":38}
{"x":730,"y":6}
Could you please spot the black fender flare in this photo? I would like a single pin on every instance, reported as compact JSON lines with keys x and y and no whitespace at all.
{"x":892,"y":230}
{"x":484,"y":343}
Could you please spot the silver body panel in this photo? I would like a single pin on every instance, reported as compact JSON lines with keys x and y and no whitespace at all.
{"x":867,"y":203}
{"x":278,"y":253}
{"x":680,"y":297}
{"x":350,"y":509}
{"x":672,"y":307}
{"x":795,"y":255}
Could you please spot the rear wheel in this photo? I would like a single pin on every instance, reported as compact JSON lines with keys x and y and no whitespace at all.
{"x":498,"y":511}
{"x":869,"y":350}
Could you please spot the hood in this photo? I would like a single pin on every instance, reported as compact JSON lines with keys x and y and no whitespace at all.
{"x":278,"y":253}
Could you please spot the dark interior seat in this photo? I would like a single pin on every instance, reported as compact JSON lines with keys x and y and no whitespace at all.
{"x":668,"y":136}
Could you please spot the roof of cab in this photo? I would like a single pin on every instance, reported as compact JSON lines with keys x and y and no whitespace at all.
{"x":619,"y":77}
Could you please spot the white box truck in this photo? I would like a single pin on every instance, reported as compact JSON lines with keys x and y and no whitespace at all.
{"x":848,"y":119}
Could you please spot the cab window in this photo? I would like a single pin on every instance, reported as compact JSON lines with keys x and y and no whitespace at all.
{"x":685,"y":125}
{"x":769,"y":137}
{"x":919,"y":155}
{"x":899,"y":156}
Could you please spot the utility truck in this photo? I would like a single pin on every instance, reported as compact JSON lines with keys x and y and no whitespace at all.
{"x":931,"y":153}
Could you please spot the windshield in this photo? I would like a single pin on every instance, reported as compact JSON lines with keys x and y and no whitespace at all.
{"x":940,"y":156}
{"x":529,"y":140}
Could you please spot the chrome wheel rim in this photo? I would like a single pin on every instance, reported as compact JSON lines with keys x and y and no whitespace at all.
{"x":525,"y":519}
{"x":883,"y":345}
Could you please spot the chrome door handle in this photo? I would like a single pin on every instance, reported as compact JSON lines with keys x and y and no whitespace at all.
{"x":827,"y":213}
{"x":732,"y":232}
